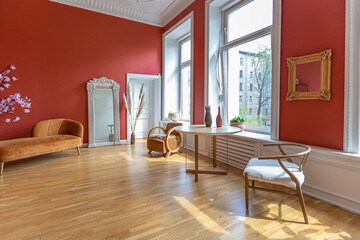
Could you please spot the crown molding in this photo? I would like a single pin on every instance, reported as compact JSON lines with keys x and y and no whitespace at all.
{"x":173,"y":10}
{"x":122,"y":11}
{"x":113,"y":9}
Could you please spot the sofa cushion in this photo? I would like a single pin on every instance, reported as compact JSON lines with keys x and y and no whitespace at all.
{"x":28,"y":147}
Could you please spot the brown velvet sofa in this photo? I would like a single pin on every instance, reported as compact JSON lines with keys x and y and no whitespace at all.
{"x":46,"y":137}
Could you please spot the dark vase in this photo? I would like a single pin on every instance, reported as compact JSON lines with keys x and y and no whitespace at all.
{"x":208,"y":118}
{"x":132,"y":139}
{"x":219,"y":119}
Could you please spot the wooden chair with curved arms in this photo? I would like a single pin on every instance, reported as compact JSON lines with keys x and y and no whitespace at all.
{"x":274,"y":170}
{"x":168,"y":142}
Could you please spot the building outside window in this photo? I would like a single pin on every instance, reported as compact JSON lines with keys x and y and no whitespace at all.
{"x":241,"y":73}
{"x":241,"y":87}
{"x":241,"y":61}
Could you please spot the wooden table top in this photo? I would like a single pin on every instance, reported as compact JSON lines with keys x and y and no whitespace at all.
{"x":202,"y":130}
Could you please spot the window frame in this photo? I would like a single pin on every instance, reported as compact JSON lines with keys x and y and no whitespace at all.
{"x":183,"y":65}
{"x":242,"y":40}
{"x":351,"y":142}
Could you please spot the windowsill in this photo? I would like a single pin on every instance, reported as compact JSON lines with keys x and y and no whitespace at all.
{"x":254,"y":136}
{"x":261,"y":137}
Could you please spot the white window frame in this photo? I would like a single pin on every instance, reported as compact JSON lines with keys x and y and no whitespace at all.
{"x":275,"y":48}
{"x":181,"y":66}
{"x":190,"y":17}
{"x":352,"y":78}
{"x":276,"y":57}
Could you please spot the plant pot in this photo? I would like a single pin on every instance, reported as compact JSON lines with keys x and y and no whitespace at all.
{"x":239,"y":125}
{"x":132,"y":139}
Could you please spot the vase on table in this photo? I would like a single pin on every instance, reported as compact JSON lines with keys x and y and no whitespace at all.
{"x":208,"y":118}
{"x":132,"y":138}
{"x":219,"y":119}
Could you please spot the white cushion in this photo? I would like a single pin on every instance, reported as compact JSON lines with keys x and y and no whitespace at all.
{"x":270,"y":171}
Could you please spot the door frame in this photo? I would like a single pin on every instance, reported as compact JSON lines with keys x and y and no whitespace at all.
{"x":156,"y":116}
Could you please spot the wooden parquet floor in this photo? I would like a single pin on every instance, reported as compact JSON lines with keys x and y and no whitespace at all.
{"x":119,"y":192}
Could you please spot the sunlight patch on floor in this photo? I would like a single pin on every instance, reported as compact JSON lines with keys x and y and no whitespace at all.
{"x":199,"y":215}
{"x":288,"y":224}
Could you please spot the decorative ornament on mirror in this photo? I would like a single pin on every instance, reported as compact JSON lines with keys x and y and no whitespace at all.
{"x":174,"y":116}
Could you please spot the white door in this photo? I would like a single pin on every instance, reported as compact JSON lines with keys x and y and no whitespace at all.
{"x":144,"y":122}
{"x":151,"y":112}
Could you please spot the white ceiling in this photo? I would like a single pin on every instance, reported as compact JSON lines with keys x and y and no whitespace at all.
{"x":153,"y":12}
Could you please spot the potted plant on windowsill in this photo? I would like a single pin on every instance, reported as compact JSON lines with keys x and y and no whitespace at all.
{"x":238,"y":122}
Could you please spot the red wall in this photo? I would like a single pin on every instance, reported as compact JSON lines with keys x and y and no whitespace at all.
{"x":58,"y":48}
{"x":308,"y":27}
{"x":199,"y":55}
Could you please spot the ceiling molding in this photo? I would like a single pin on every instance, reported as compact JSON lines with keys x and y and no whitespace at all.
{"x":175,"y":9}
{"x":123,"y":11}
{"x":114,"y":9}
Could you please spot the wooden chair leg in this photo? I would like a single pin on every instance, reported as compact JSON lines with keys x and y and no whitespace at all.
{"x":253,"y":183}
{"x":247,"y":193}
{"x":167,"y":154}
{"x":2,"y":168}
{"x":149,"y":152}
{"x":78,"y":150}
{"x":180,"y":150}
{"x":302,"y":203}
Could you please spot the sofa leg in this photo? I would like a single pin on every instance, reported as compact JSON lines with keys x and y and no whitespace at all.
{"x":2,"y":168}
{"x":167,"y":154}
{"x":78,"y":150}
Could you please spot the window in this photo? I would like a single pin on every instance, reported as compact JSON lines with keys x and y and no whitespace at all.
{"x":248,"y":39}
{"x":185,"y":78}
{"x":241,"y":61}
{"x":240,"y":99}
{"x":241,"y":73}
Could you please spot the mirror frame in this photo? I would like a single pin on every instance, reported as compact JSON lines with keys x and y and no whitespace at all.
{"x":103,"y":83}
{"x":325,"y":78}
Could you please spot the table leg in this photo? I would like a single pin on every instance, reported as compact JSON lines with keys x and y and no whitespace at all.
{"x":214,"y":151}
{"x":196,"y":157}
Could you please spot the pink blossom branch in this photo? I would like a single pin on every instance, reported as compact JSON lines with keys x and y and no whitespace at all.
{"x":7,"y":104}
{"x":5,"y":80}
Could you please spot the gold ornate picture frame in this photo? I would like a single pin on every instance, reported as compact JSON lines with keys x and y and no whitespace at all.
{"x":325,"y":79}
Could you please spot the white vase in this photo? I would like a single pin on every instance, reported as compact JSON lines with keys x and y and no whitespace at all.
{"x":174,"y":116}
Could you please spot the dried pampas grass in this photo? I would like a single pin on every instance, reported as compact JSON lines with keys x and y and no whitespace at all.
{"x":134,"y":113}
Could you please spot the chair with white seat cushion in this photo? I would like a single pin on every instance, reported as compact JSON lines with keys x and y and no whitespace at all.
{"x":274,"y":170}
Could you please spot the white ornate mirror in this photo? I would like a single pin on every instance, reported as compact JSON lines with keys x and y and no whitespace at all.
{"x":103,"y":110}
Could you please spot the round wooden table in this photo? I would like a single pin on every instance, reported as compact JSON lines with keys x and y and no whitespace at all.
{"x":209,"y":131}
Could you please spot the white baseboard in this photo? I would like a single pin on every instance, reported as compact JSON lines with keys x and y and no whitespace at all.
{"x":86,"y":145}
{"x":343,"y":202}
